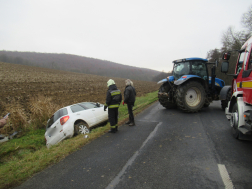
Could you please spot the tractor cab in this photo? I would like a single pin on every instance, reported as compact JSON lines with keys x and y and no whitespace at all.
{"x":190,"y":67}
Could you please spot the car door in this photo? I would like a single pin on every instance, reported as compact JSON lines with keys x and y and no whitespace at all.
{"x":100,"y":113}
{"x":81,"y":112}
{"x":97,"y":111}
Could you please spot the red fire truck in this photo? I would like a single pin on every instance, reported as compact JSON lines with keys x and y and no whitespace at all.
{"x":239,"y":109}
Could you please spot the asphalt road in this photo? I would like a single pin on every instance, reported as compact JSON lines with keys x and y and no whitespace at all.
{"x":167,"y":149}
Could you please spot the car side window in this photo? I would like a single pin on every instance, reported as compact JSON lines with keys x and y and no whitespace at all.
{"x":77,"y":108}
{"x":56,"y":116}
{"x":88,"y":105}
{"x":50,"y":122}
{"x":63,"y":112}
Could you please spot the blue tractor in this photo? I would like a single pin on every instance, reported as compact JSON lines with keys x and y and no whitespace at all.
{"x":190,"y":88}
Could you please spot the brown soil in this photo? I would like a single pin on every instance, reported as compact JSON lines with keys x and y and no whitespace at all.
{"x":19,"y":83}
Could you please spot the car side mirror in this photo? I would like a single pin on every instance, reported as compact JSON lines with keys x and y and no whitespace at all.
{"x":97,"y":104}
{"x":224,"y":67}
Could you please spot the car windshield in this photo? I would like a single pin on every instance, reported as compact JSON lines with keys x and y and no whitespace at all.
{"x":180,"y":69}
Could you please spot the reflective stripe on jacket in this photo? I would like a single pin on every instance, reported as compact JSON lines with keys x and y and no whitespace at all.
{"x":114,"y":97}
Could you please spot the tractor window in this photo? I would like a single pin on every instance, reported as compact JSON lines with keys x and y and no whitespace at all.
{"x":199,"y":68}
{"x":181,"y":69}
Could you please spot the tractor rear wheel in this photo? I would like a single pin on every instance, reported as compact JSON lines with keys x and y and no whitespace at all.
{"x":163,"y":96}
{"x":191,"y":96}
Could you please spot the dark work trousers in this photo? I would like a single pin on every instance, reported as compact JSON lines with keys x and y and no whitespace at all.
{"x":130,"y":111}
{"x":113,"y":117}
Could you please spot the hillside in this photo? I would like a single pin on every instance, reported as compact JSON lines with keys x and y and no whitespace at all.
{"x":81,"y":64}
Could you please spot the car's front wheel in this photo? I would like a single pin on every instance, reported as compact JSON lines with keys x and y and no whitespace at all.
{"x":81,"y":127}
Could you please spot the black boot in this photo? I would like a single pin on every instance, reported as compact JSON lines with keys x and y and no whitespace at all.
{"x":112,"y":130}
{"x":128,"y":122}
{"x":132,"y":124}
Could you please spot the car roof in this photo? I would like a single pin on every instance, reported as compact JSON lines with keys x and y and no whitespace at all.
{"x":77,"y":103}
{"x":190,"y":59}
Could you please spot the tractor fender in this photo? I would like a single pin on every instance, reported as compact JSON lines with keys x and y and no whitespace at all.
{"x":168,"y":79}
{"x":224,"y":91}
{"x":185,"y":78}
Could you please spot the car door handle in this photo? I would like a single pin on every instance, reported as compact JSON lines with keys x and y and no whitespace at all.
{"x":77,"y":114}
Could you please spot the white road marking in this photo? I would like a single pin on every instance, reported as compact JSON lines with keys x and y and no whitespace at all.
{"x":225,"y":177}
{"x":117,"y":179}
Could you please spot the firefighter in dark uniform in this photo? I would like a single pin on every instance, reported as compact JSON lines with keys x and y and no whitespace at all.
{"x":113,"y":100}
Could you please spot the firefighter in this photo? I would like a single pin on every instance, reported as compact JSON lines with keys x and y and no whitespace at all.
{"x":113,"y":100}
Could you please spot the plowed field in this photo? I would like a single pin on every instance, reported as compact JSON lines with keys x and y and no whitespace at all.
{"x":19,"y":83}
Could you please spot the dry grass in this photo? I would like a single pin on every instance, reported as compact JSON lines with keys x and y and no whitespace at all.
{"x":41,"y":108}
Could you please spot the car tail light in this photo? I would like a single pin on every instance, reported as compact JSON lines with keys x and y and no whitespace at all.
{"x":184,"y":77}
{"x":63,"y":120}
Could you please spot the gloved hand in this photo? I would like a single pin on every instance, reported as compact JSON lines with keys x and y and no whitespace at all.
{"x":105,"y":107}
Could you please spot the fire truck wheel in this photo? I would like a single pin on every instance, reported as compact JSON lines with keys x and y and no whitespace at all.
{"x":234,"y":122}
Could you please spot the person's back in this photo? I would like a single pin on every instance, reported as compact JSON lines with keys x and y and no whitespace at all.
{"x":113,"y":100}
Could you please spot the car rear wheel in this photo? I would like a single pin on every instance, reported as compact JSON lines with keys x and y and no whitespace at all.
{"x":81,"y":128}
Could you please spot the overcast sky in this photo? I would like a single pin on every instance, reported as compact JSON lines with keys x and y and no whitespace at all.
{"x":142,"y":33}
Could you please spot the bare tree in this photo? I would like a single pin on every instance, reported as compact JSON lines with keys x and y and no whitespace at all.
{"x":232,"y":39}
{"x":247,"y":19}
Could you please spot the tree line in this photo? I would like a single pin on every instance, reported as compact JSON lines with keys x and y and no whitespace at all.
{"x":80,"y":64}
{"x":232,"y":40}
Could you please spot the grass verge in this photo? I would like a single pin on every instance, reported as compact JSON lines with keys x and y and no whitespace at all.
{"x":22,"y":157}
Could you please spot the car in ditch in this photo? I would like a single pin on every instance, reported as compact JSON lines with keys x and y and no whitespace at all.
{"x":73,"y":120}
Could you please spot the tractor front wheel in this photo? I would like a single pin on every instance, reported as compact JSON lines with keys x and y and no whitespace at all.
{"x":163,"y":98}
{"x":191,"y":96}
